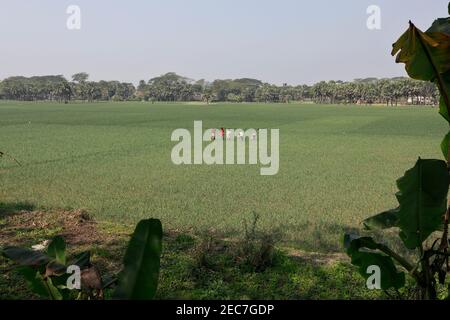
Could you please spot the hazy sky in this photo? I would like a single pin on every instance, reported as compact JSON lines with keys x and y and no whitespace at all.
{"x":293,"y":41}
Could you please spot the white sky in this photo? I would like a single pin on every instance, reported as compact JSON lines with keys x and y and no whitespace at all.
{"x":276,"y":41}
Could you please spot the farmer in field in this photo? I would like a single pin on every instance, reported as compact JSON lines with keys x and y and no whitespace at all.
{"x":229,"y":132}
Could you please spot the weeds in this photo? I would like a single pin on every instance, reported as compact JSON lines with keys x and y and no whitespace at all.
{"x":256,"y":249}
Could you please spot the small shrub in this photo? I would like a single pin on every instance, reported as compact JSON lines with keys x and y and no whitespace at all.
{"x":256,"y":249}
{"x":205,"y":253}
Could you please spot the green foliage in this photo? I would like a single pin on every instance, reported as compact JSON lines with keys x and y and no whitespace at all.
{"x":80,"y":77}
{"x":139,"y":278}
{"x":35,"y":281}
{"x":445,"y":146}
{"x":426,"y":57}
{"x":255,"y":250}
{"x":390,"y":276}
{"x":26,"y":257}
{"x":46,"y":273}
{"x":384,"y":220}
{"x":83,"y":259}
{"x":36,"y":88}
{"x":423,"y":189}
{"x":38,"y":268}
{"x":57,"y":250}
{"x":423,"y":53}
{"x":292,"y":274}
{"x":423,"y":199}
{"x":173,"y":87}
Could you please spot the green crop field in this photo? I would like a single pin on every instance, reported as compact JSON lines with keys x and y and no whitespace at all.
{"x":338,"y":164}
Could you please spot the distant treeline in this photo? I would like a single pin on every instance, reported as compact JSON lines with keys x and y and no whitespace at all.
{"x":172,"y":87}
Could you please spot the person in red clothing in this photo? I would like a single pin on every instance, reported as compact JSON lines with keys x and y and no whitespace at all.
{"x":222,"y":133}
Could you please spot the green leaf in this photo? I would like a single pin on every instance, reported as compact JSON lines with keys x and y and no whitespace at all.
{"x":52,"y":290}
{"x":411,"y":49}
{"x":440,"y":25}
{"x":422,"y":198}
{"x":353,"y":243}
{"x":444,"y":145}
{"x":384,"y":220}
{"x":390,"y":277}
{"x":443,"y":109}
{"x":357,"y":249}
{"x":426,"y":56}
{"x":423,"y":201}
{"x":57,"y":249}
{"x":139,"y":278}
{"x":54,"y":268}
{"x":26,"y":257}
{"x":83,"y":259}
{"x":35,"y":281}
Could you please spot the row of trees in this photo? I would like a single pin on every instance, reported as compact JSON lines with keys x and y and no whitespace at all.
{"x":57,"y":88}
{"x":368,"y":91}
{"x":172,"y":87}
{"x":82,"y":89}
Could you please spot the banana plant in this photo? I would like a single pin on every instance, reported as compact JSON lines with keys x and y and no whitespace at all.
{"x":139,"y":278}
{"x":423,"y":209}
{"x":47,"y":272}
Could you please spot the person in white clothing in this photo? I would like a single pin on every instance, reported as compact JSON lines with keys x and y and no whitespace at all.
{"x":228,"y":134}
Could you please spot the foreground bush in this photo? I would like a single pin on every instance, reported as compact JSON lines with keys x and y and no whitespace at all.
{"x":50,"y":276}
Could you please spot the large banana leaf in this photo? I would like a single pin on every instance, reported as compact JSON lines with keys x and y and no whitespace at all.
{"x":139,"y":278}
{"x":35,"y":281}
{"x":427,"y":57}
{"x":40,"y":285}
{"x":25,"y":257}
{"x":358,"y":250}
{"x":445,"y":145}
{"x":384,"y":220}
{"x":444,"y":103}
{"x":423,"y":201}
